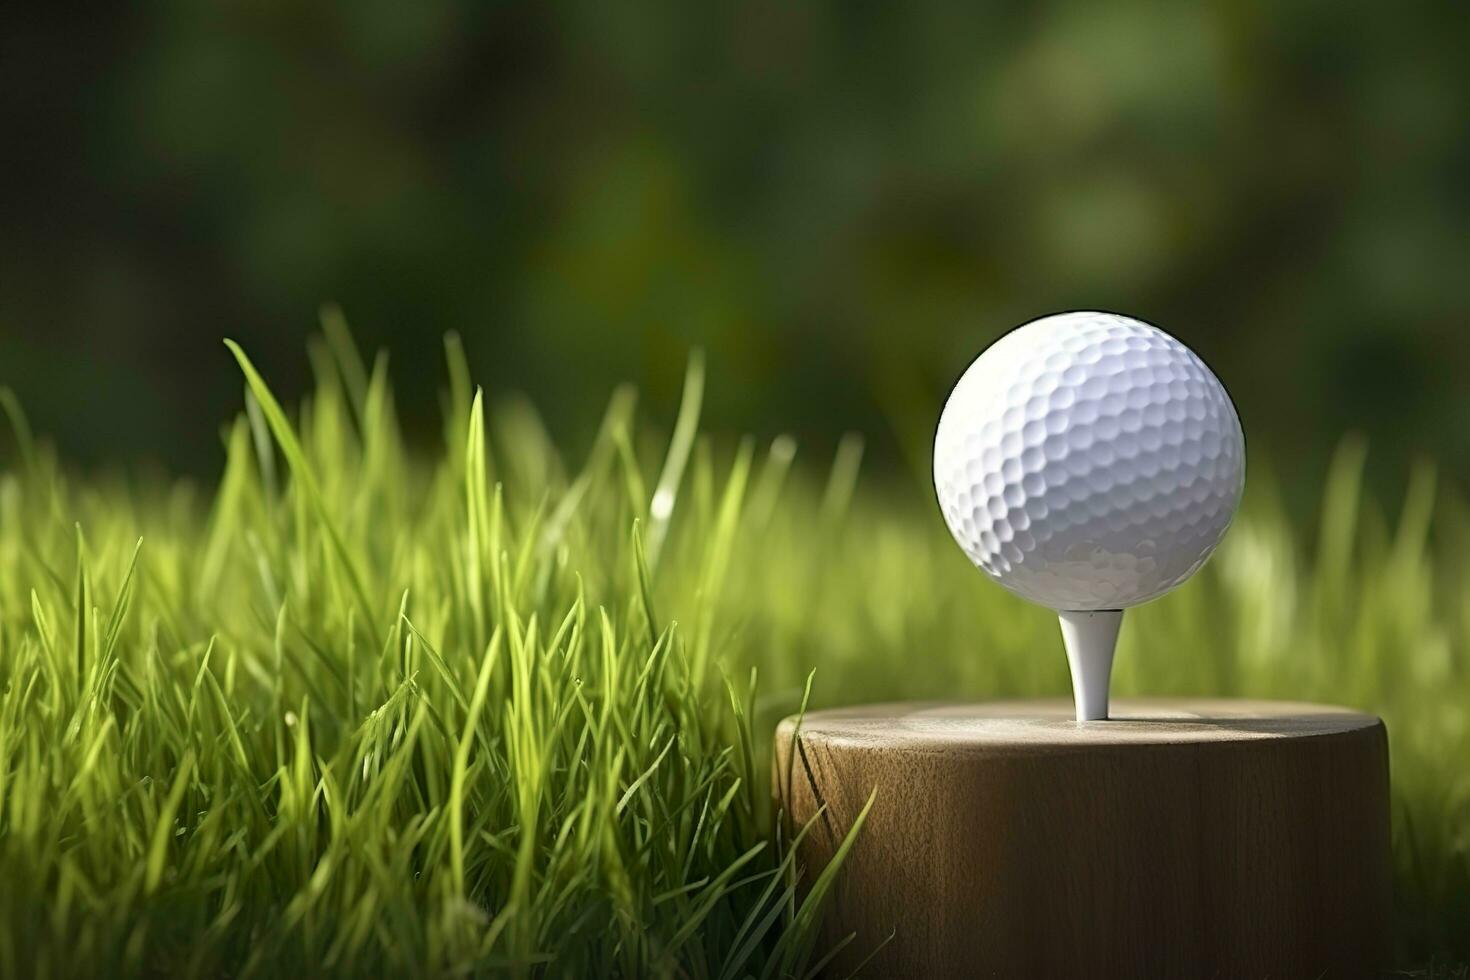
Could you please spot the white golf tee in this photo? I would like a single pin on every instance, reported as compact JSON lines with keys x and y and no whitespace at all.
{"x":1091,"y":638}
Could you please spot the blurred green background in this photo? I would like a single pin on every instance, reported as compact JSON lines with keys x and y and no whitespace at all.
{"x":842,"y":203}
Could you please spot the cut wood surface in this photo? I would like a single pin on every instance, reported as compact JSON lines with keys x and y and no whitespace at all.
{"x":1181,"y":838}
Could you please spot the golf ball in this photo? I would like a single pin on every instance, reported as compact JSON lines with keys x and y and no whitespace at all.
{"x":1088,"y":461}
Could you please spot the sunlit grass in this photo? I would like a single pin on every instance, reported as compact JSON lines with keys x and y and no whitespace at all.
{"x":356,"y":709}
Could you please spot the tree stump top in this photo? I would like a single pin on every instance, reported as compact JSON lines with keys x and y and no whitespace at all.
{"x":1002,"y":726}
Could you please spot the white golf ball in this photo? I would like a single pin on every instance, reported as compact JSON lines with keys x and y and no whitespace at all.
{"x":1088,"y":461}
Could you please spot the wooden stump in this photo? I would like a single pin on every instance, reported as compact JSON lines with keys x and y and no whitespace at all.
{"x":1185,"y":838}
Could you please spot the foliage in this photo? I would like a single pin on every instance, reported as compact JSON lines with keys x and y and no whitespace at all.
{"x":842,"y":203}
{"x":498,"y":712}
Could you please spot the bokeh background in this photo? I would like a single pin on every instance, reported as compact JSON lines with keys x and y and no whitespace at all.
{"x":841,"y":203}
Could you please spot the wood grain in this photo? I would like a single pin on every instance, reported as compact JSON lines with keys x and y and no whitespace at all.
{"x":1184,"y":838}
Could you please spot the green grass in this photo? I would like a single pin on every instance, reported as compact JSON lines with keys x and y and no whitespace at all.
{"x":494,"y":710}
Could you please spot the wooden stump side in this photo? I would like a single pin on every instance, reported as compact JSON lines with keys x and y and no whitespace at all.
{"x":1181,"y":839}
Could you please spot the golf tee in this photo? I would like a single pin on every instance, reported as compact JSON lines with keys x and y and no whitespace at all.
{"x":1090,"y":638}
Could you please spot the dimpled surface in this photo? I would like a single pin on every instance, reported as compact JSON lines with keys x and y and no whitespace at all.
{"x":1088,"y":461}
